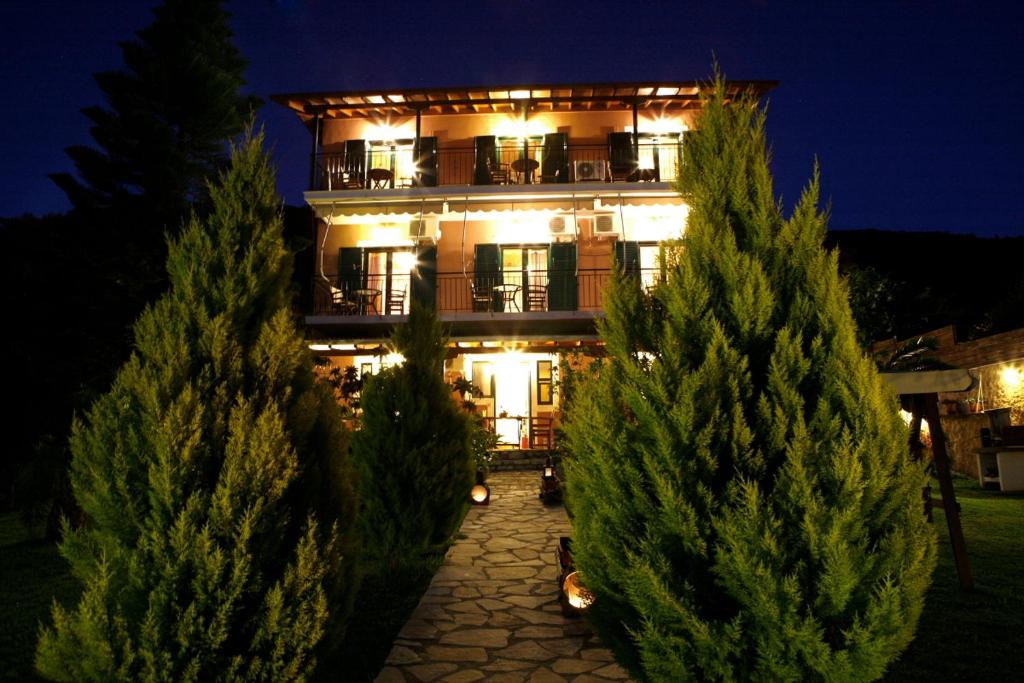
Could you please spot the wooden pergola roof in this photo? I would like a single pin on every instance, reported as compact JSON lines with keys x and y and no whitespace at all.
{"x":664,"y":96}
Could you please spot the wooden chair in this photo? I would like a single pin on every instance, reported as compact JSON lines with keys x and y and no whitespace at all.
{"x":396,"y":301}
{"x":341,"y":303}
{"x":541,"y":435}
{"x":499,"y":173}
{"x":483,"y":298}
{"x":537,"y":297}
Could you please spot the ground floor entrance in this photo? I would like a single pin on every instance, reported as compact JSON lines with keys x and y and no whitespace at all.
{"x":513,"y":392}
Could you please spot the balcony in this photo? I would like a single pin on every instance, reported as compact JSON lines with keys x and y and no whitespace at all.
{"x":520,"y":164}
{"x":551,"y":301}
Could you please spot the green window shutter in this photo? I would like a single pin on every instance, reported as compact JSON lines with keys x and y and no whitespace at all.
{"x":424,"y":280}
{"x":562,"y":276}
{"x":487,"y":270}
{"x":555,"y":161}
{"x":350,"y":268}
{"x":621,"y":156}
{"x":627,"y":257}
{"x":485,"y":155}
{"x":355,"y":158}
{"x":426,"y":162}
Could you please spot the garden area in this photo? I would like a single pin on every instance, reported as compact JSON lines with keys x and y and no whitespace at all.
{"x":961,"y":636}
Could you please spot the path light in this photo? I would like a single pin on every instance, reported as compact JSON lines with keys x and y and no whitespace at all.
{"x":572,"y":594}
{"x":550,"y":486}
{"x":480,"y":494}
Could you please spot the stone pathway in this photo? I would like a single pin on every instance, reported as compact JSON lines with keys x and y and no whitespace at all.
{"x":491,"y":612}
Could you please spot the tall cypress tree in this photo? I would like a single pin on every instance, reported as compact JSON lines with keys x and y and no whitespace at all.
{"x":413,"y":447}
{"x":219,"y":542}
{"x":744,"y":504}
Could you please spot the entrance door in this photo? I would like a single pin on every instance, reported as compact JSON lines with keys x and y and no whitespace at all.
{"x":512,"y":398}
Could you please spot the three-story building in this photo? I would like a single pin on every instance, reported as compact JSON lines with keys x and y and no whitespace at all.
{"x":505,"y":208}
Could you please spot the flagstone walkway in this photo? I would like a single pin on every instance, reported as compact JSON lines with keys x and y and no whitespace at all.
{"x":491,"y":612}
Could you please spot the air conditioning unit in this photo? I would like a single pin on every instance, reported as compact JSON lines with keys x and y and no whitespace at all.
{"x":606,"y":223}
{"x":591,"y":171}
{"x":558,"y":225}
{"x":423,"y":229}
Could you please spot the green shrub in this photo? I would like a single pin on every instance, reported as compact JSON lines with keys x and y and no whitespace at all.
{"x":413,"y":446}
{"x":744,"y":504}
{"x":219,"y":500}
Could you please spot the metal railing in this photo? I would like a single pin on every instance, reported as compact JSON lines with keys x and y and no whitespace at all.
{"x":489,"y":292}
{"x":509,"y":165}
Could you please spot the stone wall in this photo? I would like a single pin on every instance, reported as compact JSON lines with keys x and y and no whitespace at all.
{"x":962,"y":438}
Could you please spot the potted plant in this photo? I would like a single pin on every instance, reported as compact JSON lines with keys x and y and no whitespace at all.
{"x":973,"y":405}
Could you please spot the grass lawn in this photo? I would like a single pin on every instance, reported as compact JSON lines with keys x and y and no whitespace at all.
{"x":977,"y":636}
{"x":32,"y":574}
{"x":962,"y":636}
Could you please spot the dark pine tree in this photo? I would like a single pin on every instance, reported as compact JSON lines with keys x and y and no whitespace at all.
{"x":745,"y":507}
{"x":219,"y":542}
{"x":169,"y":114}
{"x":413,"y":447}
{"x":161,"y":135}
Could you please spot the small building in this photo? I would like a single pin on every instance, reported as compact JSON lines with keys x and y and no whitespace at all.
{"x":997,"y":361}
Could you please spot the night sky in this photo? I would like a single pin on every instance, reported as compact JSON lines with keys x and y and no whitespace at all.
{"x":914,"y":109}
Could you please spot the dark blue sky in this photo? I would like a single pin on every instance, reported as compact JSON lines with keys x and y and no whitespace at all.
{"x":914,"y":109}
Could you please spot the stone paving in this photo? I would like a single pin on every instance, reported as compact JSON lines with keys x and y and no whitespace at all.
{"x":491,"y":612}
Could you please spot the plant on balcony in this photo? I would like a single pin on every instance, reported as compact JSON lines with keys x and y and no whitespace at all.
{"x":766,"y":520}
{"x":413,"y":448}
{"x":214,"y":476}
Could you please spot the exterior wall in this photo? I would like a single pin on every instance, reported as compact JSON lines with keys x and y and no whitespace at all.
{"x":460,"y":129}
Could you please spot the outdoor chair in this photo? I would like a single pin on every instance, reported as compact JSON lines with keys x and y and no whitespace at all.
{"x":541,"y":433}
{"x":396,"y":302}
{"x":537,"y":297}
{"x":483,"y":298}
{"x":341,"y":303}
{"x":498,"y":172}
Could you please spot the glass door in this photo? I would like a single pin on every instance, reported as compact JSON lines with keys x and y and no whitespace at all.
{"x":526,"y":268}
{"x":387,"y":277}
{"x":390,"y":163}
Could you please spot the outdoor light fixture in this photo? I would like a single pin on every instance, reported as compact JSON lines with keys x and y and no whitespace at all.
{"x":1011,"y":378}
{"x":572,"y":595}
{"x":480,"y":494}
{"x":550,"y":486}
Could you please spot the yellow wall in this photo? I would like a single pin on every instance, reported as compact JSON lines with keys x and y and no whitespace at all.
{"x":460,"y":129}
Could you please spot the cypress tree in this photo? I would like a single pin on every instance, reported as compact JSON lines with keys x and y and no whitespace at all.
{"x":744,"y":503}
{"x":219,"y":541}
{"x":413,"y":446}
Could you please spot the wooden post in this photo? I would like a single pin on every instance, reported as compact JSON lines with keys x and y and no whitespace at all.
{"x":416,"y":148}
{"x":949,"y":506}
{"x":313,"y":166}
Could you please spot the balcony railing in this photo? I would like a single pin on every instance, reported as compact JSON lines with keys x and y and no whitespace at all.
{"x":509,"y":165}
{"x":493,"y":293}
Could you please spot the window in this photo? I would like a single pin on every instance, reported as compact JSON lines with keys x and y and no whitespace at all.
{"x":483,"y":379}
{"x":544,"y":382}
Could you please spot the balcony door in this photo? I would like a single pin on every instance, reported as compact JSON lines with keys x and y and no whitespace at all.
{"x":395,"y":157}
{"x":661,"y":155}
{"x":373,"y":276}
{"x":525,"y":266}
